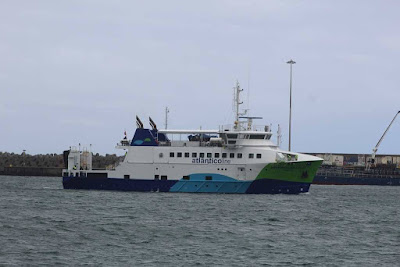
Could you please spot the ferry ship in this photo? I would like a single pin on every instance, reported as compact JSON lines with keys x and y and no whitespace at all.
{"x":232,"y":159}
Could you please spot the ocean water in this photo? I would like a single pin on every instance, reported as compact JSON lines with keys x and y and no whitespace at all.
{"x":42,"y":224}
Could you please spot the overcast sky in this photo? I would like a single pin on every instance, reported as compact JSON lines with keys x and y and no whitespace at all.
{"x":79,"y":71}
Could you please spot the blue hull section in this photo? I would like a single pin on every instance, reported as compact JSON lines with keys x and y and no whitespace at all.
{"x":210,"y":187}
{"x":269,"y":186}
{"x":227,"y":186}
{"x":219,"y":184}
{"x":139,"y":185}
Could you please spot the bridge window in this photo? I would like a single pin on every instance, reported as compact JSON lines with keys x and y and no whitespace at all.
{"x":259,"y":156}
{"x":231,"y":155}
{"x":257,"y":136}
{"x":232,"y":136}
{"x":201,"y":155}
{"x":239,"y":155}
{"x":179,"y":154}
{"x":216,"y":155}
{"x":251,"y":156}
{"x":171,"y":154}
{"x":187,"y":154}
{"x":194,"y":155}
{"x":223,"y":155}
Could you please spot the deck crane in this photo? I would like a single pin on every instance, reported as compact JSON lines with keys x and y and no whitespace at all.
{"x":375,"y":149}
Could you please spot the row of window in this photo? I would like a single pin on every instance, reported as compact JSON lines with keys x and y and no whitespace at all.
{"x":163,"y":177}
{"x":246,"y":136}
{"x":210,"y":155}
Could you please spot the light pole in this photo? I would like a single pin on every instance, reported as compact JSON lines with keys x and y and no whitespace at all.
{"x":291,"y":62}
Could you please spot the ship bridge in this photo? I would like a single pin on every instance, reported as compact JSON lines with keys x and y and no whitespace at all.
{"x":223,"y":137}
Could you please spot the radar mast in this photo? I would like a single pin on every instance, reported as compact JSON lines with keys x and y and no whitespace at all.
{"x":237,"y":91}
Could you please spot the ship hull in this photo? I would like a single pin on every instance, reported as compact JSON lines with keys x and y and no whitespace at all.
{"x":342,"y":180}
{"x":259,"y":186}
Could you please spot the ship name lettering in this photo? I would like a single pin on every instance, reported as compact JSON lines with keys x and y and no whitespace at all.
{"x":210,"y":161}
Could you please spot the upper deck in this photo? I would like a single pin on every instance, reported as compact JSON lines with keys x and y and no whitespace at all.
{"x":200,"y":138}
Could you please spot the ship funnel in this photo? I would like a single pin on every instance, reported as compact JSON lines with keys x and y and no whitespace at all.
{"x":152,"y":124}
{"x":139,"y":123}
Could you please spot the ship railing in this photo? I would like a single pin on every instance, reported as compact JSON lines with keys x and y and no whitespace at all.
{"x":286,"y":157}
{"x":83,"y":173}
{"x":124,"y":142}
{"x":167,"y":143}
{"x":244,"y":127}
{"x":231,"y":127}
{"x":226,"y":127}
{"x":261,"y":128}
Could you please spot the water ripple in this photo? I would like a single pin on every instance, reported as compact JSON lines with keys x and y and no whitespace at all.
{"x":331,"y":226}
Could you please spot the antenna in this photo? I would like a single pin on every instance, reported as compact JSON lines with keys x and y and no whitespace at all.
{"x":166,"y":117}
{"x":279,"y":136}
{"x":248,"y":87}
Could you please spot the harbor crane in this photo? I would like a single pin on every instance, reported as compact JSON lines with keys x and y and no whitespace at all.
{"x":375,"y":149}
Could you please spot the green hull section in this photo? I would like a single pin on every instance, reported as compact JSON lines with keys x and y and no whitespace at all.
{"x":303,"y":171}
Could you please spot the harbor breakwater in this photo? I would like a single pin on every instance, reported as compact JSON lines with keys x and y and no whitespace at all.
{"x":23,"y":164}
{"x":31,"y":171}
